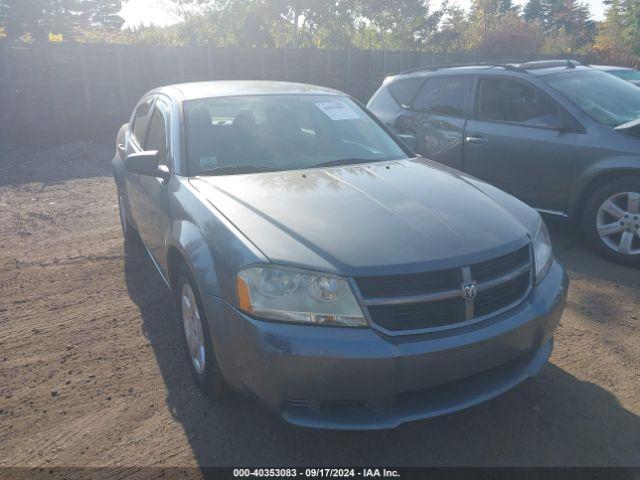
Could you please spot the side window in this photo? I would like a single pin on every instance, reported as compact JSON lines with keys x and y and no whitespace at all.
{"x":157,"y":137}
{"x":140,"y":120}
{"x":444,"y":95}
{"x":505,"y":100}
{"x":403,"y":91}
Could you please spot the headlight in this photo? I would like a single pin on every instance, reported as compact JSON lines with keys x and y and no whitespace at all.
{"x":289,"y":295}
{"x":542,"y":251}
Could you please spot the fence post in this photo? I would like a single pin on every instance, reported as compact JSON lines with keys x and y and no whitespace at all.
{"x":210,"y":62}
{"x":85,"y":78}
{"x":124,"y":101}
{"x":347,"y":79}
{"x":46,"y":52}
{"x":16,"y":125}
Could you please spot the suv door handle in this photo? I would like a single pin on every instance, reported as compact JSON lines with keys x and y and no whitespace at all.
{"x":477,"y":140}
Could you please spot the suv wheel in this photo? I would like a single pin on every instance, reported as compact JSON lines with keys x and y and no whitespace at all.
{"x":129,"y":232}
{"x":611,"y":220}
{"x":197,"y":339}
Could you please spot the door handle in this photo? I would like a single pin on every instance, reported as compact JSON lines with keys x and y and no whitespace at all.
{"x":477,"y":140}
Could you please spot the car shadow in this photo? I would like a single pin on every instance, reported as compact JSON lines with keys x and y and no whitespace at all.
{"x":554,"y":419}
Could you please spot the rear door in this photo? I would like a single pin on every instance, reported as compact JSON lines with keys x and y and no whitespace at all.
{"x":435,"y":120}
{"x":518,"y":140}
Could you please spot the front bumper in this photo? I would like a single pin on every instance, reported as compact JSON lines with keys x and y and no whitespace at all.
{"x":347,"y":378}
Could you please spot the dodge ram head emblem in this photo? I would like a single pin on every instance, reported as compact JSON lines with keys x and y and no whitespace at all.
{"x":469,"y":290}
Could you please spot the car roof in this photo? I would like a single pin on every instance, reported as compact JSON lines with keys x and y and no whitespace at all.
{"x":229,"y":88}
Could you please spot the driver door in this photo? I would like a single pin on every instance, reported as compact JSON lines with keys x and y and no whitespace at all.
{"x":154,"y":221}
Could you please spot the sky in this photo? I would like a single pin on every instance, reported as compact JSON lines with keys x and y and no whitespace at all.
{"x":162,"y":13}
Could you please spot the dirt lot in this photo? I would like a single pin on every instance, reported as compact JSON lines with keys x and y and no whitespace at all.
{"x":92,"y":372}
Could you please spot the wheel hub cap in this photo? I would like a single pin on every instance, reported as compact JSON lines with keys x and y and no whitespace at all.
{"x":193,"y":328}
{"x":618,"y":223}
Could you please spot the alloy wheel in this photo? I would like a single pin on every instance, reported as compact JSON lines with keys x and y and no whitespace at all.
{"x":618,"y":223}
{"x":193,"y":331}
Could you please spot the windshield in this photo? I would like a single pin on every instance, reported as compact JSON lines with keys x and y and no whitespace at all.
{"x":628,"y":75}
{"x":607,"y":99}
{"x":281,"y":132}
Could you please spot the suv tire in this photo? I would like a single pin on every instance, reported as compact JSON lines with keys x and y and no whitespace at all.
{"x":196,"y":335}
{"x":611,"y":220}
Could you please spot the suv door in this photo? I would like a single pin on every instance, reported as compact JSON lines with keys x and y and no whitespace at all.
{"x":522,"y":141}
{"x":435,"y":121}
{"x":154,"y":223}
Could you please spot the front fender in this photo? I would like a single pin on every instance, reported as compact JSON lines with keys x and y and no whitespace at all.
{"x":187,"y":238}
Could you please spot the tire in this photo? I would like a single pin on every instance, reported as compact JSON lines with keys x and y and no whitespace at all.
{"x":129,"y":232}
{"x":611,"y":220}
{"x":202,"y":360}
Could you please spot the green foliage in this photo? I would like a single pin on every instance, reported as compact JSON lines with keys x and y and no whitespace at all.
{"x":621,"y":28}
{"x":491,"y":29}
{"x":100,"y":13}
{"x":41,"y":17}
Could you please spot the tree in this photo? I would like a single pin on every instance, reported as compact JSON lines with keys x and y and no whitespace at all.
{"x":533,"y":10}
{"x":621,"y":27}
{"x":40,"y":17}
{"x":100,"y":13}
{"x":404,"y":24}
{"x":37,"y":17}
{"x":453,"y":35}
{"x":510,"y":38}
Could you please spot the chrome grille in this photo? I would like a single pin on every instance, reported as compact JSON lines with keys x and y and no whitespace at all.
{"x":436,"y":300}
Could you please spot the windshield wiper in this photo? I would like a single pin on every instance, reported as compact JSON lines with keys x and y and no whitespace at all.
{"x":344,"y":161}
{"x":628,"y":125}
{"x":237,"y":169}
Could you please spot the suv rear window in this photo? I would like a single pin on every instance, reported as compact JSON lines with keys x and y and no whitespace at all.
{"x":404,"y":91}
{"x":444,"y":95}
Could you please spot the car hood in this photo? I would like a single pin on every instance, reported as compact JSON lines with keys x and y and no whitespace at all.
{"x":374,"y":218}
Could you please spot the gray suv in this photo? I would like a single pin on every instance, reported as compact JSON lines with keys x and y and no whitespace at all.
{"x":562,"y":137}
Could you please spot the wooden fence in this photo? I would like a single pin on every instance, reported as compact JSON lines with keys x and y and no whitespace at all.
{"x":70,"y":91}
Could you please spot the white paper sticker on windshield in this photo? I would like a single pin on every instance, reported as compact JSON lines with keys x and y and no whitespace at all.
{"x":337,"y":110}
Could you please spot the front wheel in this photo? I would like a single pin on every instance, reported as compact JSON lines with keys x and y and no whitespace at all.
{"x":197,"y":339}
{"x":611,"y":220}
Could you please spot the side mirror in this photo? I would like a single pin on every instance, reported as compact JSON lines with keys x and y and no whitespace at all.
{"x":146,"y":163}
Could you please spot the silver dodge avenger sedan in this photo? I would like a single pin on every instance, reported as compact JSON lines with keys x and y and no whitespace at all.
{"x":321,"y":266}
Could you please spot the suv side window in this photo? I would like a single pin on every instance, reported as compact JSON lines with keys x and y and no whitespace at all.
{"x":140,"y":120}
{"x":404,"y":91}
{"x":444,"y":95}
{"x":157,"y":137}
{"x":505,"y":100}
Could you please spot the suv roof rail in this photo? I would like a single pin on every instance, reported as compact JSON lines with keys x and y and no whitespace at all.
{"x":539,"y":64}
{"x":506,"y":66}
{"x":521,"y":67}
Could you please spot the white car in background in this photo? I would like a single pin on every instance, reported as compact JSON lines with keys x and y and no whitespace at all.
{"x":629,"y":74}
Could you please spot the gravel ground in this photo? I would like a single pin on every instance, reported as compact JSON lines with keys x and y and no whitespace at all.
{"x":92,"y":371}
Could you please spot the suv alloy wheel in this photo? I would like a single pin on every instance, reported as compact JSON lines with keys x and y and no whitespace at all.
{"x":611,"y":220}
